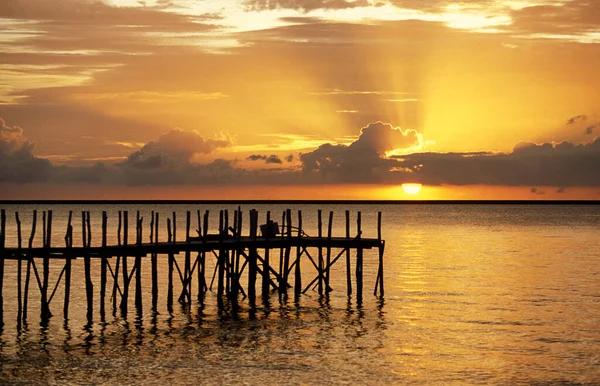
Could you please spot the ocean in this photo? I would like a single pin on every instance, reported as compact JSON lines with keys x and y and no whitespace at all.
{"x":474,"y":294}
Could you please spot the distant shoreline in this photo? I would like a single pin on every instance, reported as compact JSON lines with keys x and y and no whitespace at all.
{"x":306,"y":202}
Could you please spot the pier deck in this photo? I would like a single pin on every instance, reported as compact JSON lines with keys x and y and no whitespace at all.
{"x":228,"y":244}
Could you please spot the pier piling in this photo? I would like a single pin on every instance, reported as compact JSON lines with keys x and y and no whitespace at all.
{"x":359,"y":261}
{"x":68,"y":261}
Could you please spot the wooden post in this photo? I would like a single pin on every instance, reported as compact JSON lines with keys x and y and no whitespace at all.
{"x":297,"y":271}
{"x":288,"y":249}
{"x":125,"y":296}
{"x":252,"y":257}
{"x":328,"y":262}
{"x":174,"y":223}
{"x":89,"y":289}
{"x":348,"y":269}
{"x":29,"y":263}
{"x":359,"y":262}
{"x":184,"y":297}
{"x":198,"y":258}
{"x":237,"y":257}
{"x":170,"y":274}
{"x":221,"y":260}
{"x":174,"y":227}
{"x":2,"y":252}
{"x":381,"y":251}
{"x":266,"y":277}
{"x":45,"y":310}
{"x":320,"y":230}
{"x":116,"y":281}
{"x":138,"y":264}
{"x":19,"y":274}
{"x":103,"y":264}
{"x":69,"y":245}
{"x":203,"y":260}
{"x":282,"y":268}
{"x":155,"y":267}
{"x":226,"y":251}
{"x":233,"y":268}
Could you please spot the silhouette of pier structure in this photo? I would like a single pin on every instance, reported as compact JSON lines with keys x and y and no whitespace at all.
{"x":276,"y":269}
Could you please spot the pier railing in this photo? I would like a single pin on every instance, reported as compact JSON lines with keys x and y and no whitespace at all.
{"x":236,"y":255}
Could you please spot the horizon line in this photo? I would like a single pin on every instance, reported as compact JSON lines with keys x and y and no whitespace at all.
{"x":307,"y":202}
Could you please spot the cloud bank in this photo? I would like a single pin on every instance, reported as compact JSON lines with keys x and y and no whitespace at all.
{"x":17,"y":162}
{"x":169,"y":160}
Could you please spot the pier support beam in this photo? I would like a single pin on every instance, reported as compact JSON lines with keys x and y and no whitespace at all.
{"x":297,"y":271}
{"x":125,"y":295}
{"x":89,"y":287}
{"x":103,"y":265}
{"x":68,"y":261}
{"x":154,"y":259}
{"x":359,"y":262}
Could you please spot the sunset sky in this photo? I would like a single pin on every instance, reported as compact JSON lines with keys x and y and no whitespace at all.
{"x":341,"y":99}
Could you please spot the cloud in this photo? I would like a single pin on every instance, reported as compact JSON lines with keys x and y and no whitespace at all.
{"x":363,"y":160}
{"x":257,"y":157}
{"x":17,"y":162}
{"x":561,"y":164}
{"x":169,"y":160}
{"x":271,"y":159}
{"x":578,"y":118}
{"x":575,"y":16}
{"x":305,"y":5}
{"x":382,"y":137}
{"x":174,"y":148}
{"x":537,"y":191}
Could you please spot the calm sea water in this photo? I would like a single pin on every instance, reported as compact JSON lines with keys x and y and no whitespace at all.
{"x":475,"y":294}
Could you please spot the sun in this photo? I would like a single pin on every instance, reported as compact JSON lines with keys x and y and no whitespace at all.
{"x":411,"y":188}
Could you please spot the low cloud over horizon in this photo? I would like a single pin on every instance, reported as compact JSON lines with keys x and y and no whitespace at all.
{"x":169,"y":160}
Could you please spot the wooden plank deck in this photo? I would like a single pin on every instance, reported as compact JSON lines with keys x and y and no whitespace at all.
{"x":229,"y":244}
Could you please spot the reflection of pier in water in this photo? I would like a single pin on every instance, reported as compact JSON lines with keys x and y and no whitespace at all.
{"x":236,"y":256}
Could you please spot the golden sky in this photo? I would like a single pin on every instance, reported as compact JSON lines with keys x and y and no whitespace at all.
{"x":480,"y":95}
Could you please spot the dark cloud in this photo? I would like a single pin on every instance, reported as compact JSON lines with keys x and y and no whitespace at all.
{"x":289,"y":158}
{"x":576,"y":119}
{"x":379,"y":137}
{"x":564,"y":164}
{"x":273,"y":159}
{"x":590,"y":129}
{"x":269,"y":159}
{"x":17,"y":162}
{"x":169,"y":160}
{"x":257,"y":157}
{"x":364,"y":159}
{"x":537,"y":191}
{"x":174,"y":148}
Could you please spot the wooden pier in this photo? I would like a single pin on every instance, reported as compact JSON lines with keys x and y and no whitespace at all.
{"x":237,"y":257}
